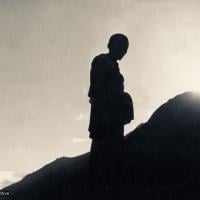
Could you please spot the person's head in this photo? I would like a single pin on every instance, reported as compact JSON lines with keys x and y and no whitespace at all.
{"x":118,"y":45}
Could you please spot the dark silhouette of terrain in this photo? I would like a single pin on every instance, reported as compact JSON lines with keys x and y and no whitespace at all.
{"x":161,"y":161}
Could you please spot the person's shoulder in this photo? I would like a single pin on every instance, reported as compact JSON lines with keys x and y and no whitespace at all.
{"x":101,"y":56}
{"x":101,"y":59}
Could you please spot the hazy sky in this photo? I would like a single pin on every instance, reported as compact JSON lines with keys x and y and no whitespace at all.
{"x":46,"y":47}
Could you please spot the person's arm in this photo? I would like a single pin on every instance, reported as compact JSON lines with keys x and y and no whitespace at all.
{"x":97,"y":92}
{"x":97,"y":78}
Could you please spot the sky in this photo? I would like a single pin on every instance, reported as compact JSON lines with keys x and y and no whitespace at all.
{"x":46,"y":49}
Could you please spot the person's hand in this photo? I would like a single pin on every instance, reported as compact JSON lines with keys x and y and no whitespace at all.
{"x":92,"y":100}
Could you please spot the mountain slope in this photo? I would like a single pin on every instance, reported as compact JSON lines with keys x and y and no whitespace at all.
{"x":161,"y":161}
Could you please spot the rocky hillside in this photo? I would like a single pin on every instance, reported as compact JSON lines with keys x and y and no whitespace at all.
{"x":161,"y":161}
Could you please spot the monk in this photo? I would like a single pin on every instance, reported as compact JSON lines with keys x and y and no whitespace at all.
{"x":106,"y":125}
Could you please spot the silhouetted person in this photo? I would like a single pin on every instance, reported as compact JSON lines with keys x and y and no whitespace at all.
{"x":106,"y":125}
